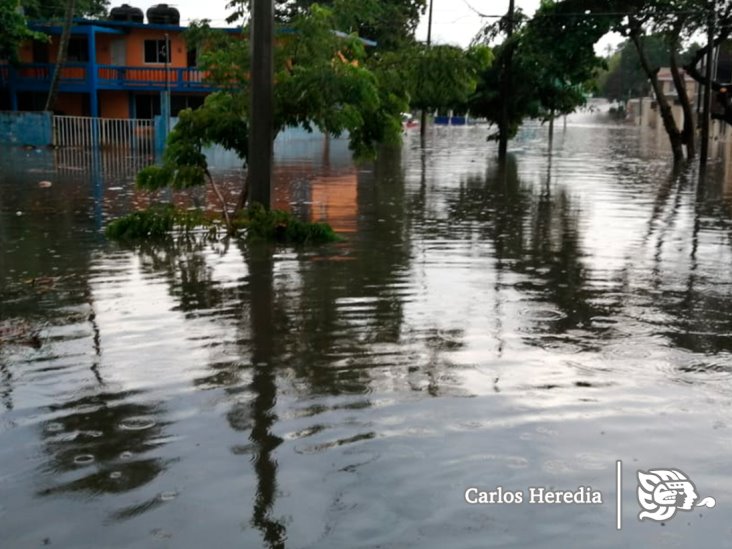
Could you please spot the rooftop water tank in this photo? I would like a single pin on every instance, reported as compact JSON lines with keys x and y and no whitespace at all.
{"x":125,"y":12}
{"x":163,"y":14}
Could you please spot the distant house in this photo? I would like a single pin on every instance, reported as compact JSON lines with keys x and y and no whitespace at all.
{"x":116,"y":68}
{"x":665,"y":78}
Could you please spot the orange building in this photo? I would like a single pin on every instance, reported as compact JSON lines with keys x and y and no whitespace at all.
{"x":116,"y":68}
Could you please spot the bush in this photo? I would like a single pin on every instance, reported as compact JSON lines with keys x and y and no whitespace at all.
{"x":283,"y":227}
{"x":258,"y":223}
{"x":156,"y":222}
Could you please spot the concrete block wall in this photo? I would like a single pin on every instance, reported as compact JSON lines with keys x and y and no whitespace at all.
{"x":26,"y":128}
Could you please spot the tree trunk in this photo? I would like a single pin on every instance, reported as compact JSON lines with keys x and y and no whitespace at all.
{"x":551,"y":129}
{"x":423,"y":115}
{"x":244,"y":195}
{"x":423,"y":128}
{"x":62,"y":54}
{"x":664,"y":108}
{"x":687,"y":133}
{"x":506,"y":88}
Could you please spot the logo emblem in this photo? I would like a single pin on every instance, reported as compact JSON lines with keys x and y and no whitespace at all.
{"x":663,"y":492}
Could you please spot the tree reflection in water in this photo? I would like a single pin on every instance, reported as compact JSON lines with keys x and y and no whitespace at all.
{"x":264,"y":387}
{"x":537,"y":235}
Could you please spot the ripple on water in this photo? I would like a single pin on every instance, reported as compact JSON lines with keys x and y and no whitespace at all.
{"x":543,"y":315}
{"x":54,"y":427}
{"x":137,"y":424}
{"x":84,"y":459}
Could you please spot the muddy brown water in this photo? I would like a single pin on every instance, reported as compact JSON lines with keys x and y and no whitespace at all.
{"x":518,"y":327}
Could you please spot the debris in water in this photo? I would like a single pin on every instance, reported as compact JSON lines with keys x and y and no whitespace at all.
{"x":19,"y":333}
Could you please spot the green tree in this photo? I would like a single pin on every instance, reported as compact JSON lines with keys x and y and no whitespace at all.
{"x":14,"y":29}
{"x":391,"y":23}
{"x":665,"y":25}
{"x":44,"y":10}
{"x":541,"y":69}
{"x":625,"y":77}
{"x":444,"y":77}
{"x":670,"y":19}
{"x":321,"y":81}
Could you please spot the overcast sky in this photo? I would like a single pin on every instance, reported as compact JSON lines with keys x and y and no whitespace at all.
{"x":454,"y":22}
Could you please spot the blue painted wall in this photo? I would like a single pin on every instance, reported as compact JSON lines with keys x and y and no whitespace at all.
{"x":26,"y":128}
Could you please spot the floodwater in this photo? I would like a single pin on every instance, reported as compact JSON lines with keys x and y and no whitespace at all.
{"x":526,"y":326}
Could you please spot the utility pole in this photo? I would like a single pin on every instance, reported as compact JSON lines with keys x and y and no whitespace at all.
{"x":423,"y":120}
{"x":165,"y":106}
{"x":262,"y":102}
{"x":506,"y":85}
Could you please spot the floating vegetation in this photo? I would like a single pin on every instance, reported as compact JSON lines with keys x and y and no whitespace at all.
{"x":283,"y":227}
{"x":158,"y":222}
{"x":255,"y":222}
{"x":19,"y":332}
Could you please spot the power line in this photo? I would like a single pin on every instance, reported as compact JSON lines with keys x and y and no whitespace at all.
{"x":586,"y":13}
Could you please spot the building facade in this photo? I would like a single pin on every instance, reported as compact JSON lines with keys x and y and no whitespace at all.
{"x":115,"y":69}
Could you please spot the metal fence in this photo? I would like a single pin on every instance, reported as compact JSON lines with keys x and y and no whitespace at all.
{"x":83,"y":132}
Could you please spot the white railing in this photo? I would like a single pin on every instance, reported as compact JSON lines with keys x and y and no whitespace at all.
{"x":83,"y":132}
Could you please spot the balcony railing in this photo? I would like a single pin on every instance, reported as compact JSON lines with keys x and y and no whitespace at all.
{"x":109,"y":77}
{"x":134,"y":77}
{"x":33,"y":73}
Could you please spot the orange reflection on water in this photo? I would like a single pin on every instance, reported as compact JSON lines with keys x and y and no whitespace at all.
{"x":335,"y":200}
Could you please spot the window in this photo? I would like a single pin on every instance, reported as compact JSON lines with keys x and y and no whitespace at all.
{"x":192,"y":58}
{"x":156,"y":51}
{"x":40,"y":52}
{"x":78,"y":50}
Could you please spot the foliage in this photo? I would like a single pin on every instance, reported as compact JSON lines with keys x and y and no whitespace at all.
{"x":626,"y":78}
{"x":14,"y":30}
{"x":391,"y":23}
{"x":321,"y":80}
{"x":523,"y":100}
{"x":54,"y":9}
{"x":155,"y":222}
{"x":444,"y":77}
{"x":283,"y":227}
{"x":162,"y":221}
{"x":564,"y":59}
{"x":551,"y":64}
{"x":184,"y":165}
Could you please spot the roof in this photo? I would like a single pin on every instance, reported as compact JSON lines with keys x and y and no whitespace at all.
{"x":107,"y":26}
{"x":664,"y":74}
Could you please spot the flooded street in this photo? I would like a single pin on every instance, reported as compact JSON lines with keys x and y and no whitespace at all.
{"x":524,"y":326}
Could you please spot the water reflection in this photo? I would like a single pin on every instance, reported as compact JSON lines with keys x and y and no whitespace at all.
{"x":523,"y":325}
{"x":535,"y":233}
{"x":264,"y":388}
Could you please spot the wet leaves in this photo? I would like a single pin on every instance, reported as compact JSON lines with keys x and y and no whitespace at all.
{"x":19,"y":332}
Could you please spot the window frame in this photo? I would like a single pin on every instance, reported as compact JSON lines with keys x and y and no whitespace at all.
{"x":79,"y":53}
{"x":158,"y":42}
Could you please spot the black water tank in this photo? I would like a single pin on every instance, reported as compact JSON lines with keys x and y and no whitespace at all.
{"x":125,"y":12}
{"x":163,"y":14}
